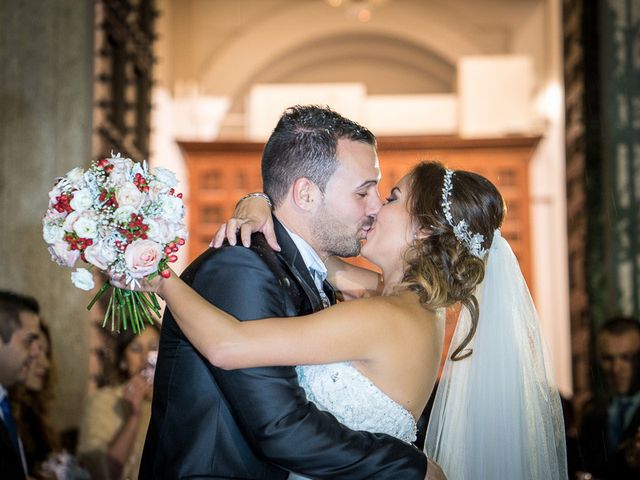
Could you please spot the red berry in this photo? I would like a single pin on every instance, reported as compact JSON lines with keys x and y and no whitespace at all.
{"x":181,"y":241}
{"x":179,"y":195}
{"x":173,"y":258}
{"x":165,"y":273}
{"x":167,"y":250}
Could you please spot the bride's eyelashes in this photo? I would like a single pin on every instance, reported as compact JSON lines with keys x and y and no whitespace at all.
{"x":393,"y":195}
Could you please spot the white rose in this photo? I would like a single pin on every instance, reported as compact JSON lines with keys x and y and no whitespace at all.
{"x":62,"y":255}
{"x":142,"y":257}
{"x":166,"y":176}
{"x":86,"y":227}
{"x":181,"y":232}
{"x":129,"y":195}
{"x":82,"y":279}
{"x":75,"y":176}
{"x":52,"y":233}
{"x":70,"y":221}
{"x":172,"y":208}
{"x":121,"y":162}
{"x":157,"y":188}
{"x":121,"y":172}
{"x":118,"y":177}
{"x":123,"y":214}
{"x":82,"y":200}
{"x":100,"y":254}
{"x":160,"y":230}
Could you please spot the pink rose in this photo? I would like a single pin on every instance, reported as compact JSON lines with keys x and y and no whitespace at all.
{"x":128,"y":195}
{"x":62,"y":255}
{"x":142,"y":257}
{"x":101,"y":255}
{"x":160,"y":230}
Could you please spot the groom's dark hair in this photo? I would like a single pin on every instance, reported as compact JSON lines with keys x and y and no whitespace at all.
{"x":304,"y":144}
{"x":11,"y":304}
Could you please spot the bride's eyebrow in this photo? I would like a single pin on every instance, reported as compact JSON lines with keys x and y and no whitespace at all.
{"x":395,"y":189}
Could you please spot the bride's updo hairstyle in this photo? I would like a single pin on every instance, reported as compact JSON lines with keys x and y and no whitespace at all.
{"x":447,"y":265}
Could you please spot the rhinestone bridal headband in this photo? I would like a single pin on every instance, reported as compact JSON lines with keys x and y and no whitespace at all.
{"x":472,"y":241}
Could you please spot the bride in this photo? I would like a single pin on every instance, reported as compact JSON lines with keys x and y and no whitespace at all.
{"x":373,"y":362}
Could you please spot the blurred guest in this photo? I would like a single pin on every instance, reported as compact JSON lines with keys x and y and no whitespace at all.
{"x":610,"y":429}
{"x":116,"y":417}
{"x":31,"y":401}
{"x":19,"y":324}
{"x":31,"y":404}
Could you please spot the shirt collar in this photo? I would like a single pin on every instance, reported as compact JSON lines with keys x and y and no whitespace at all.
{"x":309,"y":256}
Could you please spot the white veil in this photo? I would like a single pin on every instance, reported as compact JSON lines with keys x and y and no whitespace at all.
{"x":497,"y":413}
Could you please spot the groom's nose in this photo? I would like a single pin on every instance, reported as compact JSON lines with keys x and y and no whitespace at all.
{"x":373,"y":204}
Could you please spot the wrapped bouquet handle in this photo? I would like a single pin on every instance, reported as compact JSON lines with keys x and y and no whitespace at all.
{"x":123,"y":219}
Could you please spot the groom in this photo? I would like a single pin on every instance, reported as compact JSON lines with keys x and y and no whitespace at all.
{"x":256,"y":423}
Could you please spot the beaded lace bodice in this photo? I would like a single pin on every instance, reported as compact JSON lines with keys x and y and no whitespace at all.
{"x":340,"y":389}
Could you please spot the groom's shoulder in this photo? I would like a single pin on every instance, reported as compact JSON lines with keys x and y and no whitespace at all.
{"x":260,"y":255}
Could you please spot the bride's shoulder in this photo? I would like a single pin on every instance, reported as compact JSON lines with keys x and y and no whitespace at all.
{"x":401,"y":307}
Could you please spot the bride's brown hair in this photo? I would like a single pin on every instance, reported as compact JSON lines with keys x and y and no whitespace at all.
{"x":441,"y":269}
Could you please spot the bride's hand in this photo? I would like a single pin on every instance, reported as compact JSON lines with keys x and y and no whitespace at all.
{"x":143,"y":285}
{"x":251,"y":215}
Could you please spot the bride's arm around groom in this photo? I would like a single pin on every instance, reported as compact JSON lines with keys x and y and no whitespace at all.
{"x":261,"y":417}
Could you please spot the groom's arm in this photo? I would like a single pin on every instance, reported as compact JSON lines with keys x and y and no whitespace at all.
{"x":271,"y":407}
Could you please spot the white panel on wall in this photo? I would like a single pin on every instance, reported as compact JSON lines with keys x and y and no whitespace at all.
{"x":266,"y":102}
{"x":496,"y":95}
{"x":199,"y":117}
{"x":412,"y":114}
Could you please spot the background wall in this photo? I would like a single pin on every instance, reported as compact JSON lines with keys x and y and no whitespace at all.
{"x":46,"y":53}
{"x":216,"y":52}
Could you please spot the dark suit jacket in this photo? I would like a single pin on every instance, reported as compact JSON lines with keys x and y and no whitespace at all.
{"x":594,"y":448}
{"x":254,"y":423}
{"x":10,"y":462}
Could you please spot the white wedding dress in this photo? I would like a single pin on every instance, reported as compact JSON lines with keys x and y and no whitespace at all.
{"x":340,"y":389}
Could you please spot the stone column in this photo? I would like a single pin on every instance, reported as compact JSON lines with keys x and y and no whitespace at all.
{"x":46,"y":53}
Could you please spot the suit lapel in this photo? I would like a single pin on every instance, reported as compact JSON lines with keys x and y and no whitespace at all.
{"x":632,"y":428}
{"x":9,"y":448}
{"x":330,"y":292}
{"x":291,"y":256}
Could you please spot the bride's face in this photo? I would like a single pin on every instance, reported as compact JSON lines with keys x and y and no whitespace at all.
{"x":392,"y":232}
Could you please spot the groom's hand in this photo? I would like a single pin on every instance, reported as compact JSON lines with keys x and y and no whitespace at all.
{"x":434,"y":472}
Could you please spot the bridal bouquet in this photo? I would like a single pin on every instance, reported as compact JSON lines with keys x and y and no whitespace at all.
{"x":123,"y":219}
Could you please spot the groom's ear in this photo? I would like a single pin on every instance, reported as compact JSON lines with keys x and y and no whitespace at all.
{"x":306,"y":194}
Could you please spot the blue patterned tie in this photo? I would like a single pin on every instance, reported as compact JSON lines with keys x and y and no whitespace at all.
{"x":9,"y":423}
{"x":318,"y":278}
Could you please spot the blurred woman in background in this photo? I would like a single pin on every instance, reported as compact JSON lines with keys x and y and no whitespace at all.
{"x":114,"y":425}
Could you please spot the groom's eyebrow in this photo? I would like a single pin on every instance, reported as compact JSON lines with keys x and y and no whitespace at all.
{"x":395,"y":189}
{"x":367,"y":184}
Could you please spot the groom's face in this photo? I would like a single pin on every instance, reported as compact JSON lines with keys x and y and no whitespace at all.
{"x":350,"y":202}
